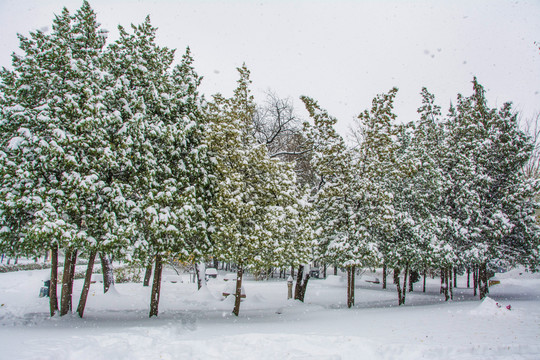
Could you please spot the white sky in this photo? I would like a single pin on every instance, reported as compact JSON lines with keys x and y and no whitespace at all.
{"x":342,"y":53}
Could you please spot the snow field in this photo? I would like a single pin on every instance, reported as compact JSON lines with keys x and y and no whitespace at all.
{"x":199,"y":325}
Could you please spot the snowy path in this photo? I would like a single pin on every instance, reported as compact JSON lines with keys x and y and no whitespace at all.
{"x":199,"y":325}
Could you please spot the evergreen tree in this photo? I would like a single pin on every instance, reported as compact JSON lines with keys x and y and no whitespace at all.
{"x":52,"y":98}
{"x":257,"y":205}
{"x":340,"y":195}
{"x":491,"y":204}
{"x":162,"y":162}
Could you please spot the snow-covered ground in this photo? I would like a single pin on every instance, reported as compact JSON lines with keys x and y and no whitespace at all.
{"x":199,"y":325}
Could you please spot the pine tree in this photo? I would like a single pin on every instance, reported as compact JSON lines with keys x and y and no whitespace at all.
{"x":491,"y":202}
{"x":256,"y":210}
{"x":54,"y":95}
{"x":162,"y":160}
{"x":378,"y":171}
{"x":340,"y":198}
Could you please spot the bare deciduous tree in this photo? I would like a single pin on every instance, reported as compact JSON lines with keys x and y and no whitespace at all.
{"x":277,"y":126}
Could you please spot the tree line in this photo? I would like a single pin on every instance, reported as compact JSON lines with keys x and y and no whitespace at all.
{"x":112,"y":150}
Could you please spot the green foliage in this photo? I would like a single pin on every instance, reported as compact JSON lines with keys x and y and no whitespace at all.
{"x":257,"y":209}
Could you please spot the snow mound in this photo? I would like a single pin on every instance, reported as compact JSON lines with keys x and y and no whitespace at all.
{"x":204,"y":295}
{"x":490,"y":308}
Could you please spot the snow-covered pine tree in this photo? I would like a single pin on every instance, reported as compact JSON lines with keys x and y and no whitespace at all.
{"x":256,"y":210}
{"x":419,"y":190}
{"x":165,"y":170}
{"x":491,"y":200}
{"x":54,"y":96}
{"x":377,"y":172}
{"x":343,"y":236}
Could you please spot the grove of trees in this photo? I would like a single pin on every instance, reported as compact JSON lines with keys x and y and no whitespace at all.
{"x":112,"y":150}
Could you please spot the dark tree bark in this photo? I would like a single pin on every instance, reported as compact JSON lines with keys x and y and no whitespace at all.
{"x":413,"y":276}
{"x":148,"y":274}
{"x":156,"y":287}
{"x":398,"y":285}
{"x":405,"y":277}
{"x":443,"y":272}
{"x":301,"y":284}
{"x":425,"y":275}
{"x":450,"y":271}
{"x":446,"y":283}
{"x":455,"y":277}
{"x":72,"y":278}
{"x":483,"y":280}
{"x":238,"y":292}
{"x":324,"y":271}
{"x":199,"y":272}
{"x":53,"y":297}
{"x":65,"y":300}
{"x":335,"y":269}
{"x":468,"y":277}
{"x":107,"y":270}
{"x":384,"y":276}
{"x":475,"y":279}
{"x":351,"y":272}
{"x":87,"y":281}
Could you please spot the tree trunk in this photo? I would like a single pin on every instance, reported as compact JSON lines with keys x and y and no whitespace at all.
{"x":455,"y":277}
{"x":324,"y":271}
{"x":238,"y":292}
{"x":299,"y":277}
{"x":65,"y":300}
{"x":450,"y":271}
{"x":468,"y":277}
{"x":335,"y":269}
{"x":483,"y":280}
{"x":53,"y":297}
{"x":200,"y":269}
{"x":107,"y":270}
{"x":351,"y":270}
{"x":443,"y":272}
{"x":425,"y":274}
{"x":72,"y":278}
{"x":475,"y":279}
{"x":303,"y":288}
{"x":87,"y":281}
{"x":446,"y":283}
{"x":411,"y":274}
{"x":301,"y":283}
{"x":398,"y":285}
{"x":384,"y":276}
{"x":156,"y":287}
{"x":148,"y":274}
{"x":480,"y":279}
{"x":405,"y":277}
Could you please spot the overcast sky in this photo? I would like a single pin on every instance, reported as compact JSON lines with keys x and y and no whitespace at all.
{"x":342,"y":53}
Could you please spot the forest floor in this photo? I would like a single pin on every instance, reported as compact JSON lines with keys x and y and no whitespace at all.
{"x":199,"y":325}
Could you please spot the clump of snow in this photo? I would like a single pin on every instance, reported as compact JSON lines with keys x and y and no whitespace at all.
{"x":490,"y":307}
